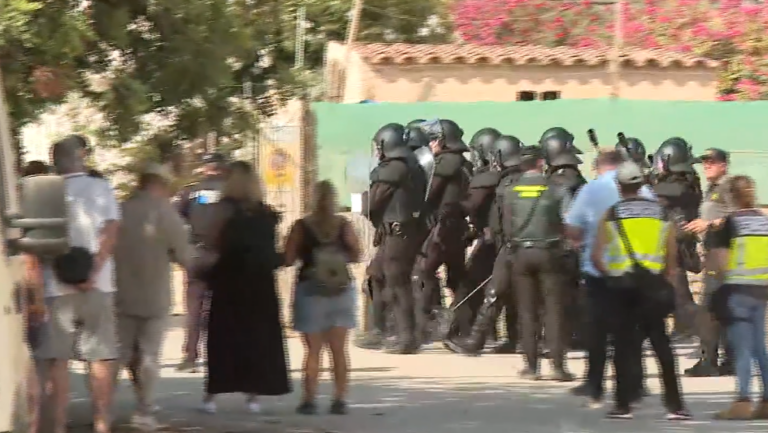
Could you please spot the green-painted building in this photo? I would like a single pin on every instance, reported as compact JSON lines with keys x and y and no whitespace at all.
{"x":344,"y":131}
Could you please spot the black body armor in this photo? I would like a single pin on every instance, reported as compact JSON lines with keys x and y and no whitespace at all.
{"x":517,"y":200}
{"x":568,"y":177}
{"x":457,"y":170}
{"x":486,"y":179}
{"x":201,"y":197}
{"x":408,"y":200}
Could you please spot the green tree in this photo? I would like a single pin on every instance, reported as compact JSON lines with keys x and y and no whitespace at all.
{"x":406,"y":21}
{"x":41,"y":45}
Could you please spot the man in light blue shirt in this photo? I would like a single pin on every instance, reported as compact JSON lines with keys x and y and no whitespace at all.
{"x":587,"y":208}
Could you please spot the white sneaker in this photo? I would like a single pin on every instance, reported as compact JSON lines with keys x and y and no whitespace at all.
{"x":254,"y":407}
{"x":144,"y":422}
{"x":208,"y":407}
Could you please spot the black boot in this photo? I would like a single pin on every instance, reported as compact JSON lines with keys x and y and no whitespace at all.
{"x":373,"y":340}
{"x":473,"y":345}
{"x":726,"y":368}
{"x":508,"y":347}
{"x":406,"y":342}
{"x":703,"y":368}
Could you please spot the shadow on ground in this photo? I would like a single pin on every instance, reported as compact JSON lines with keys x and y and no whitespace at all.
{"x":426,"y":405}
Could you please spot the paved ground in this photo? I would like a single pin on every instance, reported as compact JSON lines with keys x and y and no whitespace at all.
{"x":428,"y":393}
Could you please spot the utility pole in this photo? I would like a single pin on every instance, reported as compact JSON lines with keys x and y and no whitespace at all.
{"x":618,"y":42}
{"x":301,"y":18}
{"x":352,"y":31}
{"x":614,"y":57}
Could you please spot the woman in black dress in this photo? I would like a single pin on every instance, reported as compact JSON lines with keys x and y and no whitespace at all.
{"x":245,"y":343}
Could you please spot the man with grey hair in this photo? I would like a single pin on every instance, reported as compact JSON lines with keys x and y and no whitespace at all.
{"x":82,"y":310}
{"x":152,"y":236}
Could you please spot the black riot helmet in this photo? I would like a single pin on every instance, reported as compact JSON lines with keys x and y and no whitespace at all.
{"x":563,"y":134}
{"x":415,"y":123}
{"x":416,"y":137}
{"x":632,"y":149}
{"x":391,"y":141}
{"x":447,"y":132}
{"x":507,"y":152}
{"x":482,"y":146}
{"x":559,"y":152}
{"x":674,"y":155}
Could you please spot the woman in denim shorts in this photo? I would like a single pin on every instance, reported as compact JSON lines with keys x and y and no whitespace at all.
{"x":322,"y":320}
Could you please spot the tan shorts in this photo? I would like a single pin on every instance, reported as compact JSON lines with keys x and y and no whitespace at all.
{"x":82,"y":324}
{"x":140,"y":336}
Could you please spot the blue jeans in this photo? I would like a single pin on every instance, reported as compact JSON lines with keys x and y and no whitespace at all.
{"x":747,"y":336}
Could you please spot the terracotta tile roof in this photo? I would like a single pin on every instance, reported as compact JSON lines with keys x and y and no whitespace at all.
{"x":381,"y":54}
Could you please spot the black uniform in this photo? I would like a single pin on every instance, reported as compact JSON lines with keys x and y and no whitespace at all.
{"x":398,"y":188}
{"x":195,"y":205}
{"x":477,"y":206}
{"x":532,"y":223}
{"x":446,"y":242}
{"x":375,"y":286}
{"x":563,"y":170}
{"x":498,"y":291}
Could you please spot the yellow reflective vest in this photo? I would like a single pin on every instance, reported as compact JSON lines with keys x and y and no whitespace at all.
{"x":748,"y":258}
{"x":646,"y":227}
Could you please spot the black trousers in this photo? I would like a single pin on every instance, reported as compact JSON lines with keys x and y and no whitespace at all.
{"x":398,"y":253}
{"x":381,"y":297}
{"x":479,"y":268}
{"x":629,"y":316}
{"x":445,"y":245}
{"x":498,"y":295}
{"x":600,"y":330}
{"x":536,"y":277}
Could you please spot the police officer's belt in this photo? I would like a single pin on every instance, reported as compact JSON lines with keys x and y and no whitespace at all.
{"x":534,"y":243}
{"x":515,"y":243}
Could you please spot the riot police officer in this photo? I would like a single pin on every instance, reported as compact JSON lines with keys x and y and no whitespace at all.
{"x":477,"y":206}
{"x":632,"y":149}
{"x":446,"y":242}
{"x":398,"y":189}
{"x":481,"y":147}
{"x":563,"y":162}
{"x":195,"y":205}
{"x":374,"y":282}
{"x":498,"y":290}
{"x":678,"y":187}
{"x":416,"y":136}
{"x":532,"y":221}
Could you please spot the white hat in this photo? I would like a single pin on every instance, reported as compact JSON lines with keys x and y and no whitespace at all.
{"x":629,"y":173}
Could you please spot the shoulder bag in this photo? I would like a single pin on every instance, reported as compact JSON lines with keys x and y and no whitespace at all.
{"x":654,"y":288}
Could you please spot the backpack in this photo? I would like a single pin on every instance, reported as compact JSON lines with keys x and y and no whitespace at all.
{"x":329,"y":271}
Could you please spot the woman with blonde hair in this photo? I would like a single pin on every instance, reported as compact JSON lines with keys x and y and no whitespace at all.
{"x":324,"y":300}
{"x":245,"y":345}
{"x":740,"y":252}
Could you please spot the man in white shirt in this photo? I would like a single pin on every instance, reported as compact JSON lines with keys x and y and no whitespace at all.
{"x":83,"y":312}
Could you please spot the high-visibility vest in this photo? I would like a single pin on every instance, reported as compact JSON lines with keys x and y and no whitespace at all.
{"x":644,"y":222}
{"x":748,"y":258}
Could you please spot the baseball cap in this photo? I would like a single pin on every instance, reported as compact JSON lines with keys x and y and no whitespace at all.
{"x":715,"y":155}
{"x":158,"y":170}
{"x":629,"y":173}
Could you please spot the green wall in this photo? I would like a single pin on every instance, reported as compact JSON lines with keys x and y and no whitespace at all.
{"x":344,"y":131}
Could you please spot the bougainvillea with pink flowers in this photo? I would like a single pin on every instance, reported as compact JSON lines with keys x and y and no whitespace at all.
{"x":730,"y":31}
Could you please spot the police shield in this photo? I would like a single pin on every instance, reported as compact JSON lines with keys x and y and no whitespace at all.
{"x":426,"y":160}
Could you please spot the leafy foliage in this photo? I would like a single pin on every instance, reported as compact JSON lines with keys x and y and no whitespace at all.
{"x":730,"y":31}
{"x":171,"y":73}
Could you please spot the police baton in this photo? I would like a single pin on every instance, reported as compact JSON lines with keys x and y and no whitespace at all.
{"x":623,"y":141}
{"x":593,"y":139}
{"x":455,"y":307}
